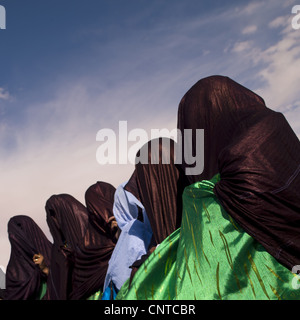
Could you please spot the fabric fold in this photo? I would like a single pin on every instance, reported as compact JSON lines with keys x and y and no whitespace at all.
{"x":94,"y":252}
{"x":257,"y":155}
{"x":23,"y":277}
{"x":134,"y":239}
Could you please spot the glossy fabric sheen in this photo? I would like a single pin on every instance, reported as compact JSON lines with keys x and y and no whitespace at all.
{"x":94,"y":251}
{"x":210,"y":258}
{"x":23,"y":277}
{"x":95,"y":296}
{"x":225,"y":110}
{"x":99,"y":199}
{"x":159,"y":187}
{"x":42,"y":290}
{"x":258,"y":157}
{"x":67,"y":219}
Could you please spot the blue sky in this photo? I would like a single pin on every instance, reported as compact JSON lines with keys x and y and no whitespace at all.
{"x":70,"y":68}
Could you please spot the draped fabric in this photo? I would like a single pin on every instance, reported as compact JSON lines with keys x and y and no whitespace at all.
{"x":99,"y":200}
{"x":158,"y":183}
{"x":93,"y":253}
{"x":67,"y":219}
{"x":225,"y":110}
{"x":210,"y":258}
{"x":258,"y":157}
{"x":23,"y":277}
{"x":134,"y":239}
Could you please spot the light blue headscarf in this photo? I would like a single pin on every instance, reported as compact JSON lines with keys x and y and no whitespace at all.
{"x":134,"y":239}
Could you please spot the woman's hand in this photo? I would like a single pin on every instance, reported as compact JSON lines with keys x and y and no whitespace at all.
{"x":39,"y":260}
{"x":112,"y":222}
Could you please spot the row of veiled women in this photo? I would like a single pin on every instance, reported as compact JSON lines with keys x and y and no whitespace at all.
{"x":229,"y":232}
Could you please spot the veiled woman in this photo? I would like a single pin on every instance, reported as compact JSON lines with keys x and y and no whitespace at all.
{"x":158,"y":183}
{"x":67,"y":219}
{"x":93,"y":253}
{"x":257,"y":155}
{"x":25,"y":280}
{"x":239,"y":235}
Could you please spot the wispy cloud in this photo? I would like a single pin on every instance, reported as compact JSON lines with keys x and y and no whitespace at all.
{"x":241,"y":46}
{"x":251,"y":8}
{"x":4,"y":94}
{"x":249,"y":29}
{"x":280,"y":74}
{"x":275,"y":68}
{"x":279,"y":22}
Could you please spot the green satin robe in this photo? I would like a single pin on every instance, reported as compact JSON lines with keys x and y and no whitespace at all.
{"x":210,"y":258}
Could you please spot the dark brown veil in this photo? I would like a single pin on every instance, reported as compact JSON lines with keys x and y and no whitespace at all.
{"x":258,"y":157}
{"x":159,"y":186}
{"x":67,"y":219}
{"x":92,"y":256}
{"x":224,"y":109}
{"x":23,"y":276}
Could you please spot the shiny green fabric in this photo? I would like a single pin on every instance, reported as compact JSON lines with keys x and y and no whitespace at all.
{"x":43,"y":289}
{"x":96,"y":296}
{"x":210,"y":257}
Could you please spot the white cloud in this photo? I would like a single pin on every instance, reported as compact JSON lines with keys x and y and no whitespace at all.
{"x":4,"y":94}
{"x":279,"y":22}
{"x":241,"y":46}
{"x":281,"y":72}
{"x":249,"y":29}
{"x":277,"y":68}
{"x":251,"y":8}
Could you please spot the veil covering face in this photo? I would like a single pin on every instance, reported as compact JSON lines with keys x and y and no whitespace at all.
{"x":225,"y":110}
{"x":158,"y":184}
{"x":23,"y":276}
{"x":258,"y":157}
{"x":93,"y":253}
{"x":67,"y":219}
{"x":99,"y":199}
